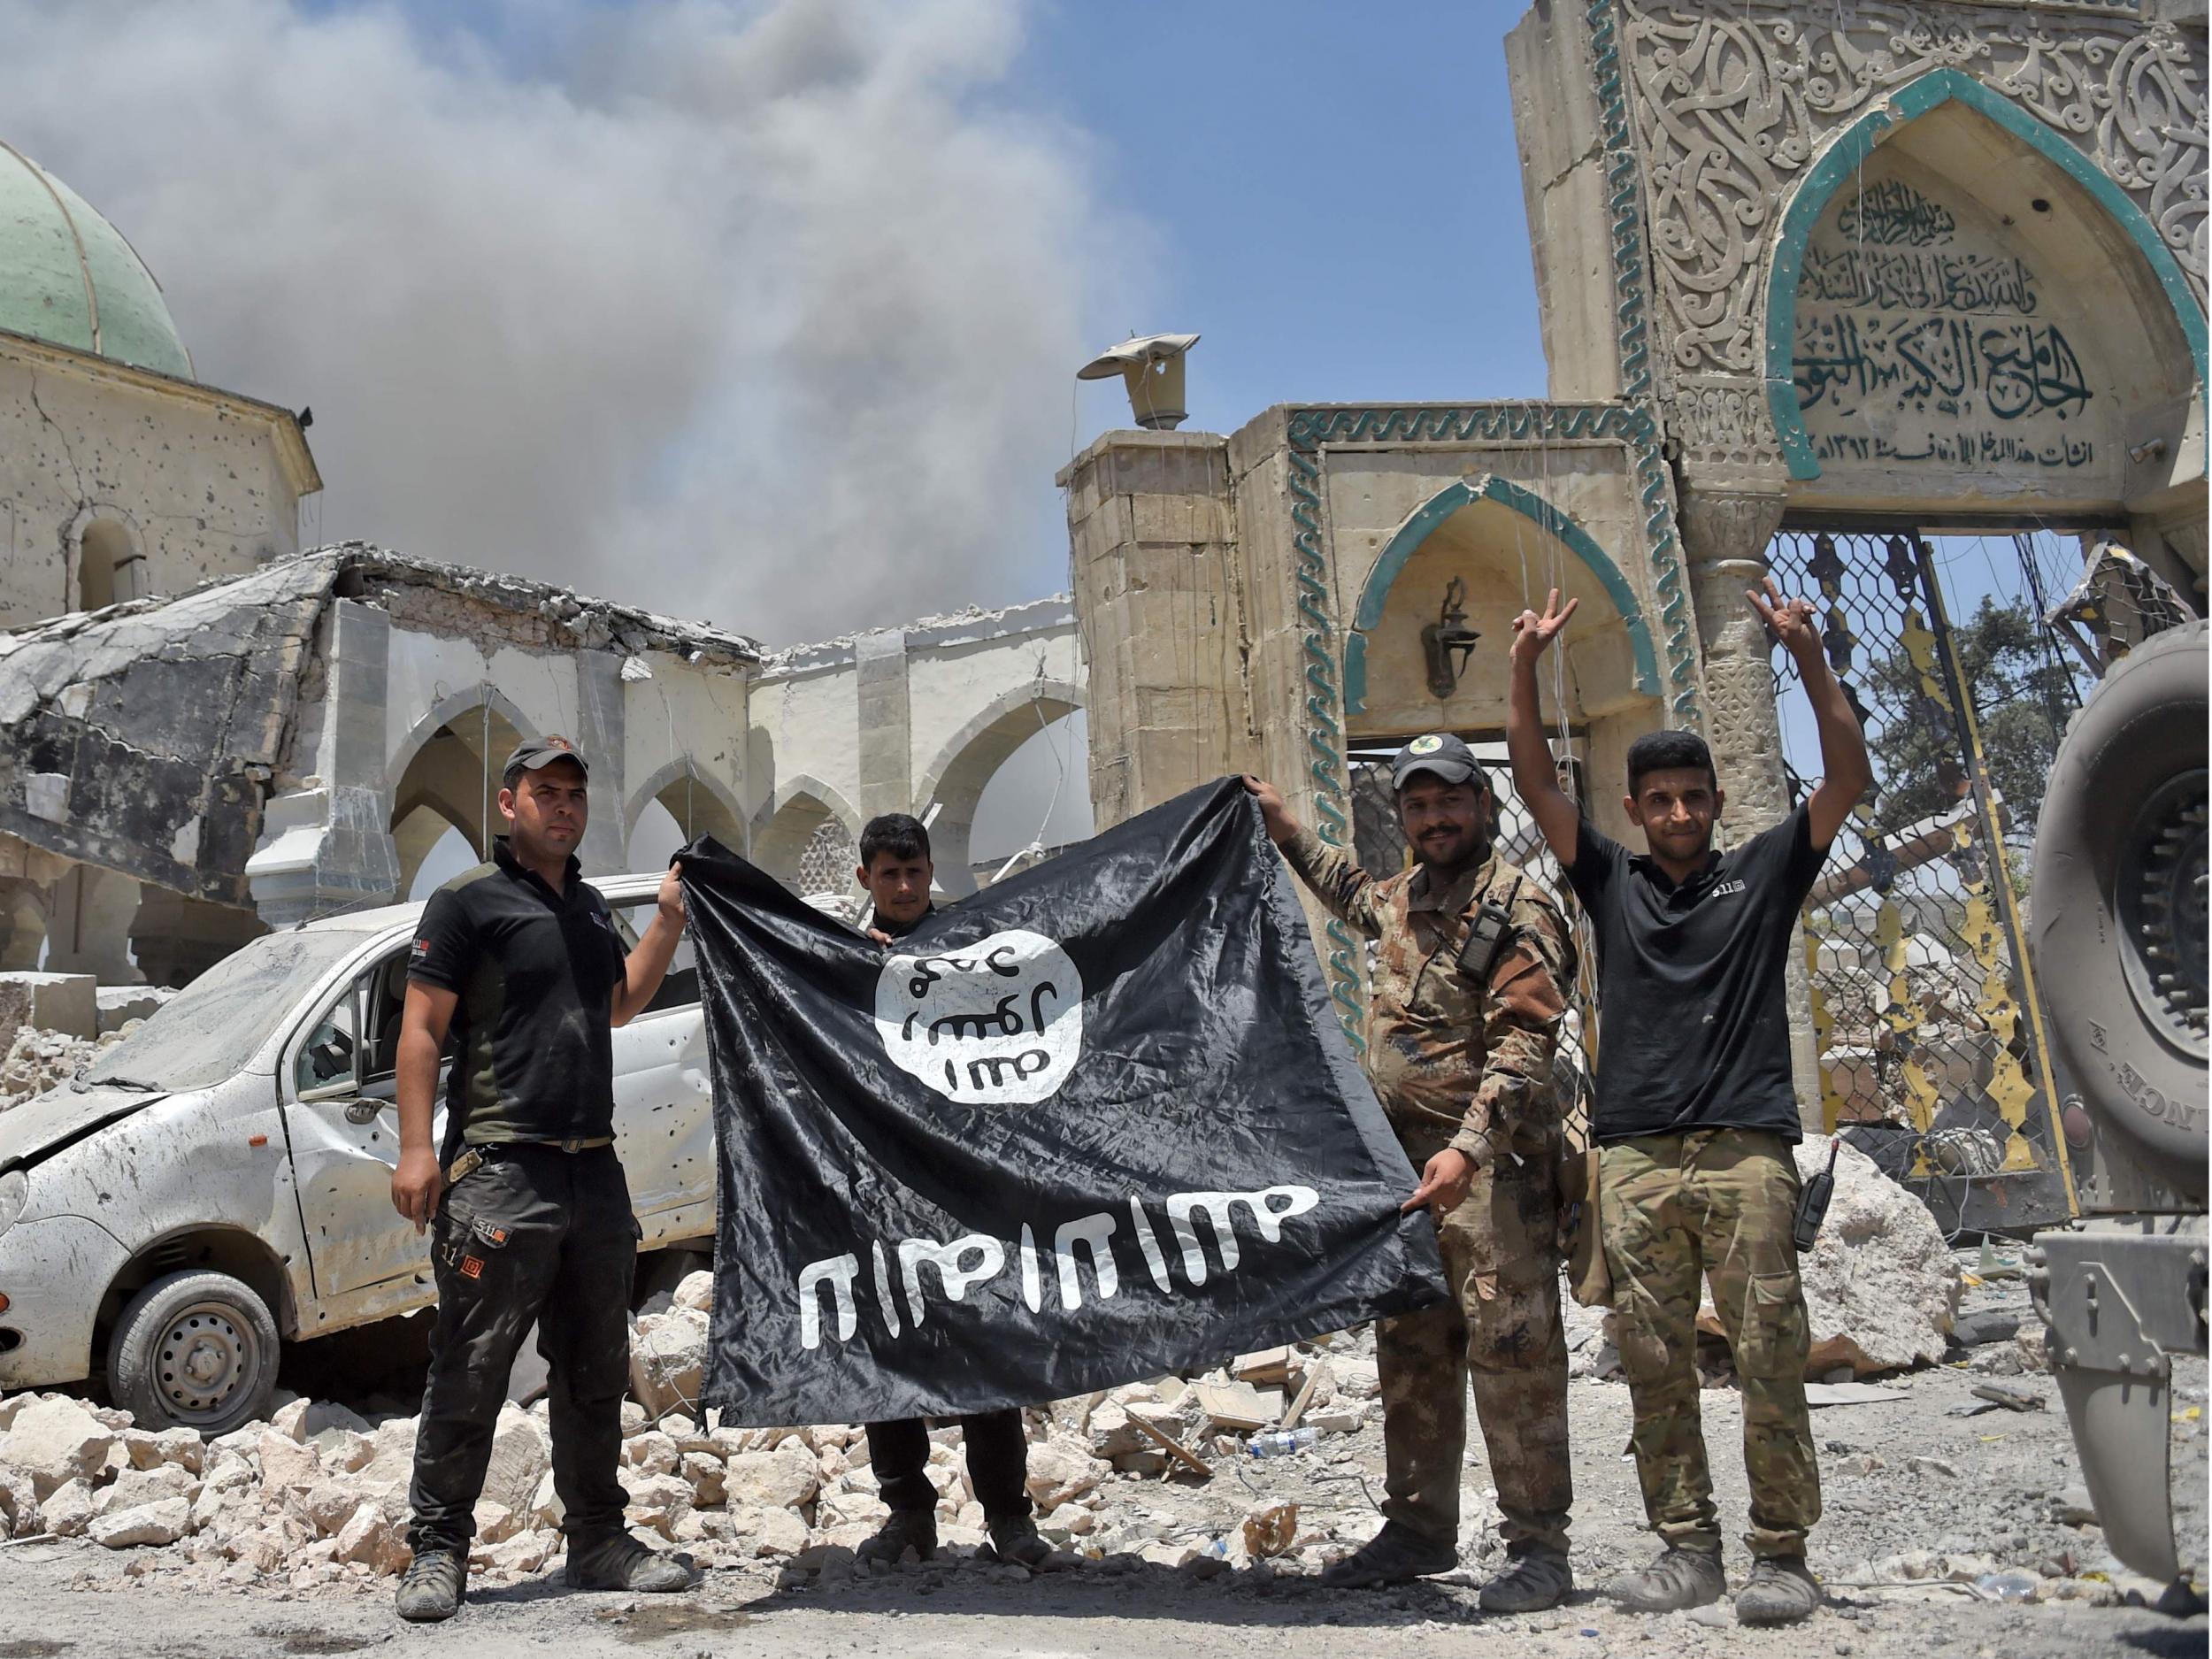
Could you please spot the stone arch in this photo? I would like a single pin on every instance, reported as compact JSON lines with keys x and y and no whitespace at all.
{"x":1843,"y":157}
{"x":449,"y":707}
{"x":684,"y":789}
{"x":421,"y":828}
{"x":1428,"y":518}
{"x":782,"y":828}
{"x":955,"y":777}
{"x":446,"y":768}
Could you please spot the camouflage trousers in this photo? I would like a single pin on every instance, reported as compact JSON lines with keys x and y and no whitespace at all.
{"x":1718,"y":1203}
{"x":1502,"y":1329}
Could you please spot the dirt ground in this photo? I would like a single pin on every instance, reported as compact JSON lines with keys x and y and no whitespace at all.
{"x":1911,"y":1486}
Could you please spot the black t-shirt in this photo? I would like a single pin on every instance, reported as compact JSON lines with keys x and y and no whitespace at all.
{"x":1693,"y":1011}
{"x":535,"y":971}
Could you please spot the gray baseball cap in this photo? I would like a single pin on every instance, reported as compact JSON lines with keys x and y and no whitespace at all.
{"x":1439,"y":753}
{"x":532,"y":753}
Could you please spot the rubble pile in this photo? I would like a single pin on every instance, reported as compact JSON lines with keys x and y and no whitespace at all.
{"x":317,"y":1496}
{"x":1881,"y":1287}
{"x":39,"y":1060}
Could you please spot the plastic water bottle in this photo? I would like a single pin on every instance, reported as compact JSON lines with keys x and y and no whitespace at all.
{"x":1282,"y":1442}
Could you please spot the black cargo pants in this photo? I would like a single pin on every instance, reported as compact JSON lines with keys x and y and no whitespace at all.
{"x":998,"y":1462}
{"x":532,"y":1234}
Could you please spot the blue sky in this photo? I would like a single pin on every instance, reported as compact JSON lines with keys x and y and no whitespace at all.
{"x":1334,"y":189}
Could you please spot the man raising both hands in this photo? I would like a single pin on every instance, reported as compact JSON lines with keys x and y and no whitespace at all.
{"x":1695,"y":1113}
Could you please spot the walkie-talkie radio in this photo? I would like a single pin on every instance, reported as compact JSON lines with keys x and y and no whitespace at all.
{"x":1486,"y":934}
{"x":1812,"y":1203}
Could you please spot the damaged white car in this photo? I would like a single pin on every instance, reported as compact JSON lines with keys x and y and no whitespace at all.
{"x":219,"y":1181}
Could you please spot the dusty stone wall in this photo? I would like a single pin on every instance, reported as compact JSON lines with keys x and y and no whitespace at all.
{"x":115,"y":483}
{"x":904,"y":720}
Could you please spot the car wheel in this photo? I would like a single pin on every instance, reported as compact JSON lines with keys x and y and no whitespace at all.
{"x":193,"y":1350}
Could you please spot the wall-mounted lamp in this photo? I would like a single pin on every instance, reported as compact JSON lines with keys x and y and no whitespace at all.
{"x":1448,"y":643}
{"x":1151,"y":367}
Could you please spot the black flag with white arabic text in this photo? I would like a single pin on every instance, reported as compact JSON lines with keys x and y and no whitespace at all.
{"x":1091,"y":1124}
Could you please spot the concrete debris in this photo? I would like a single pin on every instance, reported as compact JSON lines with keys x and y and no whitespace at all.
{"x":64,"y":1003}
{"x":315,"y":1499}
{"x":178,"y":717}
{"x":668,"y":1356}
{"x":37,"y":1060}
{"x":318,"y":1493}
{"x":122,"y":1005}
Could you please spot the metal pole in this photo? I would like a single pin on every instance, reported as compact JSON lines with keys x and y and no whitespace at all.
{"x":2000,"y":880}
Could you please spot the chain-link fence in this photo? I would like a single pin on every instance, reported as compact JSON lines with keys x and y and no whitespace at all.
{"x":1927,"y":1036}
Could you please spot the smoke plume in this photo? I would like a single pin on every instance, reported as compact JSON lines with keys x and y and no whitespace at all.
{"x":763,"y":314}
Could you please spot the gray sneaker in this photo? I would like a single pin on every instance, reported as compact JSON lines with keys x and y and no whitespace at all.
{"x":902,"y":1530}
{"x":433,"y":1587}
{"x":1533,"y":1580}
{"x":1397,"y":1554}
{"x":618,"y":1561}
{"x":1780,"y":1591}
{"x":1679,"y":1579}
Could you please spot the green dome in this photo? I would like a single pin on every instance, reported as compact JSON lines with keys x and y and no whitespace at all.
{"x":67,"y":276}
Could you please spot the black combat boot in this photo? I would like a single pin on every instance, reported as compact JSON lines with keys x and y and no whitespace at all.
{"x":904,"y":1530}
{"x":1397,"y":1554}
{"x":618,"y":1561}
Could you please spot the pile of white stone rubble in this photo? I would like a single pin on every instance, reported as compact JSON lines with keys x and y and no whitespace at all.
{"x":317,"y":1496}
{"x":37,"y":1060}
{"x":52,"y":1025}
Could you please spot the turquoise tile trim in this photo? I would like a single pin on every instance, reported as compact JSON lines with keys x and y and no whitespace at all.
{"x":1421,"y":524}
{"x":1648,"y":465}
{"x":1333,"y":687}
{"x":1841,"y":160}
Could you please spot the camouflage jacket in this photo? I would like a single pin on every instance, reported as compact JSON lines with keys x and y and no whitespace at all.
{"x":1453,"y":1062}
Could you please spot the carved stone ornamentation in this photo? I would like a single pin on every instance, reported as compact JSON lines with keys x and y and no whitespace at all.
{"x":1725,"y":535}
{"x":1733,"y":102}
{"x":1720,"y":430}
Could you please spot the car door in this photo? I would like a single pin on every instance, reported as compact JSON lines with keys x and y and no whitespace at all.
{"x":341,"y":1117}
{"x":663,"y":1118}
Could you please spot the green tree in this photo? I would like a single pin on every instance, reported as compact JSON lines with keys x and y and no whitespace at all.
{"x":2023,"y":693}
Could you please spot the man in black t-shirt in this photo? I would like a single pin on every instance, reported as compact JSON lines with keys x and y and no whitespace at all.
{"x":529,"y":1215}
{"x":1696,"y":1114}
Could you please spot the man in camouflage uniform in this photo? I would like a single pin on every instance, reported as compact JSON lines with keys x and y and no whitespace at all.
{"x":1469,"y":986}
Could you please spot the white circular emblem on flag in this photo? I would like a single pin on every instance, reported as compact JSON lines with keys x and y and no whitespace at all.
{"x":997,"y":1023}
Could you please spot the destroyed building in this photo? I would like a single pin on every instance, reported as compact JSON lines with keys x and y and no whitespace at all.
{"x":291,"y":742}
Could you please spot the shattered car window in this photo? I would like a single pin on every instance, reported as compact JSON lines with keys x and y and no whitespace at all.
{"x":210,"y":1030}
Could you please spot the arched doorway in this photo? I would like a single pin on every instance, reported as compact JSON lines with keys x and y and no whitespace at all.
{"x":1973,"y":336}
{"x":953,"y":786}
{"x":447,"y":784}
{"x":808,"y":833}
{"x":677,"y":804}
{"x":1969,"y":323}
{"x":1486,"y":548}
